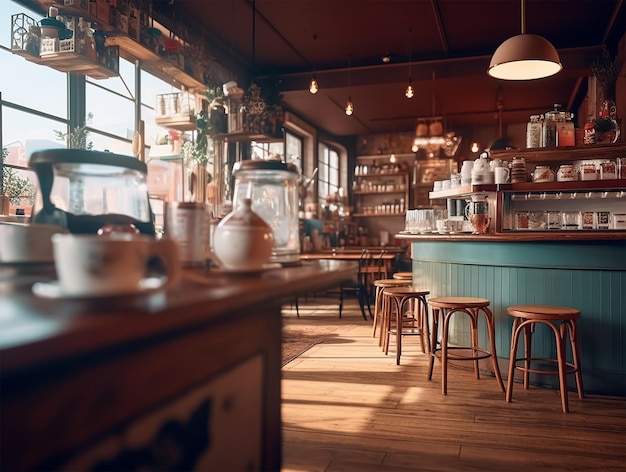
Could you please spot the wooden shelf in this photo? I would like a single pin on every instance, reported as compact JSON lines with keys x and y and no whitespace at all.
{"x":376,"y":215}
{"x":158,"y":66}
{"x":70,"y":62}
{"x":386,"y":192}
{"x":244,"y":137}
{"x":564,"y":154}
{"x":130,"y":49}
{"x":179,"y":123}
{"x":380,"y":175}
{"x":577,"y":186}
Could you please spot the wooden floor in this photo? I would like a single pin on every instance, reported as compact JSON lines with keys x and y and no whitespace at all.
{"x":348,"y":407}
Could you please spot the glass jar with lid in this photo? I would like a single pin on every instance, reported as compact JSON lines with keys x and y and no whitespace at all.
{"x":534,"y":132}
{"x":272,"y":186}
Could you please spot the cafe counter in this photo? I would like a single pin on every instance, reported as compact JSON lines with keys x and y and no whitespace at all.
{"x":585,"y":270}
{"x":176,"y":380}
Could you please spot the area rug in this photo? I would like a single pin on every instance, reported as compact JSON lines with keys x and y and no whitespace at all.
{"x":299,"y":338}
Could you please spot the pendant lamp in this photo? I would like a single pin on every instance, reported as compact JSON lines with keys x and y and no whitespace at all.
{"x":525,"y":57}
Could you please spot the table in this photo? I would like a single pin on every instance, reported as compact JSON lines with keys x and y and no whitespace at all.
{"x":142,"y":370}
{"x":372,"y":265}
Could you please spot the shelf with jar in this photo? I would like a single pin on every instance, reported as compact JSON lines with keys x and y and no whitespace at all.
{"x":381,"y":194}
{"x":594,"y":205}
{"x":64,"y":43}
{"x":557,"y":155}
{"x":129,"y":28}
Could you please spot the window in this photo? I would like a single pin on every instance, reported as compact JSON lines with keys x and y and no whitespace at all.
{"x":294,"y":147}
{"x":34,"y":107}
{"x":328,"y":177}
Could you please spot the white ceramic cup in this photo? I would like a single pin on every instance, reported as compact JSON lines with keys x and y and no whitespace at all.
{"x":89,"y":264}
{"x":501,"y":175}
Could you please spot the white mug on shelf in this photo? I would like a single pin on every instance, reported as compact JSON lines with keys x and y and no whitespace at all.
{"x":501,"y":175}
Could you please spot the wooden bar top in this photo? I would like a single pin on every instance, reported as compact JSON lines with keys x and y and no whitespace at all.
{"x":34,"y":329}
{"x":520,"y":236}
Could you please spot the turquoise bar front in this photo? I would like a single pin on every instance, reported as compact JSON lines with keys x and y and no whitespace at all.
{"x":586,"y":275}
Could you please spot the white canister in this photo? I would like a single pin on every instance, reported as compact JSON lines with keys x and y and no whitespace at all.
{"x":588,"y":171}
{"x":566,"y":173}
{"x":188,"y":224}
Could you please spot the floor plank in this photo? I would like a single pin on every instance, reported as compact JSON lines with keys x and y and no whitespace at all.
{"x":348,"y":407}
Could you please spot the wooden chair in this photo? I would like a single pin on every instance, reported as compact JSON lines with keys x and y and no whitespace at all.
{"x":562,"y":322}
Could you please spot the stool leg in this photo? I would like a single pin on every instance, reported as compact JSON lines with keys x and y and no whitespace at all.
{"x":573,"y":336}
{"x":419,"y":306}
{"x":425,"y":324}
{"x":491,"y":330}
{"x":474,"y":319}
{"x":383,"y":340}
{"x":433,"y":342}
{"x":399,"y":304}
{"x":387,"y":313}
{"x":560,"y":355}
{"x":444,"y":352}
{"x":377,"y":311}
{"x":528,"y":337}
{"x":512,"y":359}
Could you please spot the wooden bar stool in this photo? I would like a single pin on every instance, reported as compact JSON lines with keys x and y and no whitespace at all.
{"x":379,"y":306}
{"x":562,"y":321}
{"x":444,"y":308}
{"x":398,"y":298}
{"x":403,"y":275}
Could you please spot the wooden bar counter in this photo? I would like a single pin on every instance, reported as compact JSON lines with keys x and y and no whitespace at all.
{"x":585,"y":270}
{"x":176,"y":380}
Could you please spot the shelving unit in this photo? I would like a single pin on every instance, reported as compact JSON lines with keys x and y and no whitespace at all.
{"x":508,"y":201}
{"x":381,"y":194}
{"x":129,"y":46}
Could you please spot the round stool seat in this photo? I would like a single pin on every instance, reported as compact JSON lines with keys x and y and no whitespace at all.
{"x":459,"y":302}
{"x":384,"y":283}
{"x":401,"y":295}
{"x":543,"y":312}
{"x":443,"y":308}
{"x":379,"y":305}
{"x":562,"y":322}
{"x":403,"y":275}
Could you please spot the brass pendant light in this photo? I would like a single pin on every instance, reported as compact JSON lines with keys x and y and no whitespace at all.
{"x":525,"y":57}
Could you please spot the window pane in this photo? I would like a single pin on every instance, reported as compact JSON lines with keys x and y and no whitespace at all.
{"x":111,"y":113}
{"x":23,"y":82}
{"x":106,"y":143}
{"x":124,"y":84}
{"x":293,"y":145}
{"x":30,"y":132}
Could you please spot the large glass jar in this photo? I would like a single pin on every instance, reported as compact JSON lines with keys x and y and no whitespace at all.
{"x":273,"y":188}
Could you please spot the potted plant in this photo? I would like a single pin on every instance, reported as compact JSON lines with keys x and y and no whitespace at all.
{"x":197,"y":155}
{"x":606,"y":70}
{"x":14,"y":187}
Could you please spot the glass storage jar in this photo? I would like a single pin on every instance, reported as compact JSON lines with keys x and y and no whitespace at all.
{"x":273,"y":188}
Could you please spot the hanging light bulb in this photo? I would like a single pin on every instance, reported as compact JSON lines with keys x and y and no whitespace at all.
{"x":474,"y":146}
{"x":313,"y":86}
{"x":349,"y":107}
{"x":409,"y":93}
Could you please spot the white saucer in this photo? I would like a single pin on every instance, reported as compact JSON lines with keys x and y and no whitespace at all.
{"x":53,"y":290}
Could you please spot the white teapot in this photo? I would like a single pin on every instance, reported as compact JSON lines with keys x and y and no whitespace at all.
{"x":243,"y":241}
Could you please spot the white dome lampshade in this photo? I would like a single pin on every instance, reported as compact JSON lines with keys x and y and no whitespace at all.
{"x":525,"y":57}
